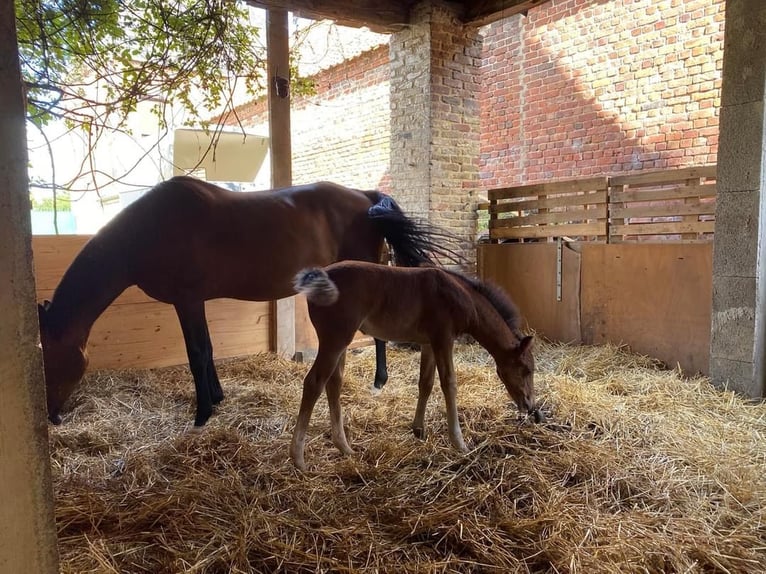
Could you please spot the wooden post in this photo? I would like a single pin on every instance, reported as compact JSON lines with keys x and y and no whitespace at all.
{"x":27,"y":528}
{"x":278,"y":71}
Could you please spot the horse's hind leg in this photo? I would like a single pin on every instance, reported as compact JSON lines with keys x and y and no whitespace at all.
{"x":313,"y":385}
{"x":199,"y":350}
{"x":381,"y":371}
{"x":425,"y":386}
{"x":334,"y":385}
{"x":216,"y":392}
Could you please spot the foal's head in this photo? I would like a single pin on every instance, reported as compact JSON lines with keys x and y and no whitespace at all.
{"x":516,"y":368}
{"x":64,"y":362}
{"x":516,"y":363}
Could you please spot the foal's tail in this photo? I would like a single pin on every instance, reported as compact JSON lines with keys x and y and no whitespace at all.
{"x":414,"y":243}
{"x":316,"y":285}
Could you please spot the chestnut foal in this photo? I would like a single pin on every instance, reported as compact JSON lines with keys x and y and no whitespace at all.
{"x":427,"y":305}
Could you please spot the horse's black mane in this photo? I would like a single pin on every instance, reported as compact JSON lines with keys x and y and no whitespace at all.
{"x":497,"y":298}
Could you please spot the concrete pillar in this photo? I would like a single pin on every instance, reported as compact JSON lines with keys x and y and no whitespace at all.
{"x":27,"y":529}
{"x":738,"y":332}
{"x":435,"y":83}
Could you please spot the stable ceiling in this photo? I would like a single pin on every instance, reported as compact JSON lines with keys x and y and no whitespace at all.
{"x":387,"y":16}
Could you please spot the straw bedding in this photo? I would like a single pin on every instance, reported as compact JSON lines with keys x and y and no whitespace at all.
{"x":637,"y":470}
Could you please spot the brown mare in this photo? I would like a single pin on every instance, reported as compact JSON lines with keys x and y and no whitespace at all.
{"x":430,"y":306}
{"x":187,"y":241}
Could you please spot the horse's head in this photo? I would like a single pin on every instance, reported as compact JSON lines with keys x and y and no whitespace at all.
{"x":64,"y":362}
{"x":516,"y":368}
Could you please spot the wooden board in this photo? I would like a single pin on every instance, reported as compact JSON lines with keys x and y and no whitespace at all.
{"x":139,"y":332}
{"x":655,"y":297}
{"x":528,"y":273}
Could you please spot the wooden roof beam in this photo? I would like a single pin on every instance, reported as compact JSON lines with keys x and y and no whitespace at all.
{"x":383,"y":16}
{"x":481,"y":12}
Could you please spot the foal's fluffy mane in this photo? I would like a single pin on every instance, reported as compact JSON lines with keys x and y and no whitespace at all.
{"x":496,"y":297}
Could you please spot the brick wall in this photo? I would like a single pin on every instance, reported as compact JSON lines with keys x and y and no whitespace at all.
{"x":579,"y":87}
{"x":576,"y":88}
{"x":435,"y":82}
{"x":342,"y":132}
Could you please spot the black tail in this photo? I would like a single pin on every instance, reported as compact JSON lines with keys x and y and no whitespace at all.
{"x":413,"y":243}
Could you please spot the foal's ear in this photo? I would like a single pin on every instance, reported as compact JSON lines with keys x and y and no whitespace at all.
{"x":525,"y":344}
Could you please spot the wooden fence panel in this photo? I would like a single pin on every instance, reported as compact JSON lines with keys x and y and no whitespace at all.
{"x":671,"y":204}
{"x":676,"y":204}
{"x":139,"y":332}
{"x":575,"y":208}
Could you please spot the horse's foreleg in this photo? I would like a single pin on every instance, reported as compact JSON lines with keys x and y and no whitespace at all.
{"x":425,"y":385}
{"x":444,"y":365}
{"x":334,"y":385}
{"x":198,"y":349}
{"x":313,"y":385}
{"x":214,"y":383}
{"x":381,"y":370}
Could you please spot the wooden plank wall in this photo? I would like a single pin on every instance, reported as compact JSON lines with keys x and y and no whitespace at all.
{"x":654,"y":297}
{"x":139,"y":332}
{"x":528,"y":274}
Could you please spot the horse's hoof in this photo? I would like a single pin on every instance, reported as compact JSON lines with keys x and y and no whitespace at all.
{"x":55,"y":419}
{"x":380,"y":383}
{"x":420,"y":433}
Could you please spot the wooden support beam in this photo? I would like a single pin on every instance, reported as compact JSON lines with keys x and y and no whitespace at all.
{"x":481,"y":12}
{"x":383,"y":16}
{"x":27,"y":527}
{"x":278,"y":71}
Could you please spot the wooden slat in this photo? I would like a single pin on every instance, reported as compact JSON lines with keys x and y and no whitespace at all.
{"x":664,"y":176}
{"x":574,"y":200}
{"x":559,"y":187}
{"x":664,"y":210}
{"x":573,"y":230}
{"x":679,"y":192}
{"x":551,"y":217}
{"x":664,"y":228}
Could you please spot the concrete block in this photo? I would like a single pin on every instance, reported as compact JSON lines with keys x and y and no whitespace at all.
{"x":735,"y":251}
{"x":735,"y":375}
{"x":744,"y":52}
{"x":740,"y":147}
{"x":733,"y":318}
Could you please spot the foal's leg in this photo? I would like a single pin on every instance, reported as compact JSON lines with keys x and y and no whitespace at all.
{"x":334,"y":385}
{"x":381,"y":371}
{"x":199,"y":350}
{"x":443,"y":355}
{"x":425,"y":385}
{"x":324,"y":366}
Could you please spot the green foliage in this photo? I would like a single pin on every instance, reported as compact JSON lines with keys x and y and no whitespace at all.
{"x":62,"y":203}
{"x":92,"y":61}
